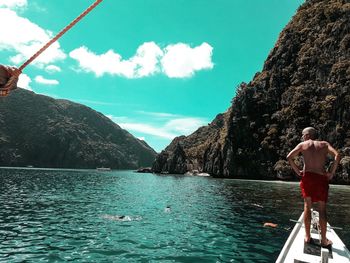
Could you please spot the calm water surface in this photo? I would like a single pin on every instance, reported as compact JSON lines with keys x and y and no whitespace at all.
{"x":60,"y":215}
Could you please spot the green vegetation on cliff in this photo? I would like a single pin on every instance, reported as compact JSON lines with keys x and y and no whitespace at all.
{"x":44,"y":132}
{"x":305,"y":81}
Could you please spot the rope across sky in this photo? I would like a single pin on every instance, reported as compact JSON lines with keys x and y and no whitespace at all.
{"x":5,"y":91}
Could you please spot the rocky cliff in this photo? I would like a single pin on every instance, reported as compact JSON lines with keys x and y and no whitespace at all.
{"x":305,"y":81}
{"x":44,"y":132}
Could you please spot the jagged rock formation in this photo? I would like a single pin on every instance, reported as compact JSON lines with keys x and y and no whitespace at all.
{"x":44,"y":132}
{"x":305,"y":81}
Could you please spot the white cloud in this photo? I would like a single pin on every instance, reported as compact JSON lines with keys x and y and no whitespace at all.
{"x":24,"y":81}
{"x":144,"y":63}
{"x":40,"y":79}
{"x":13,"y":3}
{"x":175,"y":61}
{"x":146,"y":59}
{"x":52,"y":69}
{"x":181,"y":60}
{"x":147,"y":129}
{"x":24,"y":38}
{"x":168,"y":130}
{"x":159,"y":114}
{"x":109,"y":62}
{"x":185,"y":126}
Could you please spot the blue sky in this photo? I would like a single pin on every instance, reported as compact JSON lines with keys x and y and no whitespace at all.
{"x":157,"y":68}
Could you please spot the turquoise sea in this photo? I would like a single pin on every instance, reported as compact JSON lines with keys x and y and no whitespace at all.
{"x":77,"y":215}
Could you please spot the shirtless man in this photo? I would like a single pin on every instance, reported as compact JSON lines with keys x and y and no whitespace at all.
{"x":314,"y":181}
{"x":6,"y":73}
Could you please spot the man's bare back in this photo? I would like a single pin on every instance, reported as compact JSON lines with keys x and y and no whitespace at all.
{"x":315,"y":156}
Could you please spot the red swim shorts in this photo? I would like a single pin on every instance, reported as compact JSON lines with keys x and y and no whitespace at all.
{"x":315,"y":186}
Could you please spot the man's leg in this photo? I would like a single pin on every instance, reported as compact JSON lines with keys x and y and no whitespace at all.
{"x":323,"y":223}
{"x":307,"y":217}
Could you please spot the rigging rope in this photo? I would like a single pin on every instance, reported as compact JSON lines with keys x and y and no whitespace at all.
{"x":9,"y":85}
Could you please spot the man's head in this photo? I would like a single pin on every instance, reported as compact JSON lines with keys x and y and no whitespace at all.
{"x":309,"y":133}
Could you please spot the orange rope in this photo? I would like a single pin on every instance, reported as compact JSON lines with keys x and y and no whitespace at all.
{"x":64,"y":30}
{"x":4,"y":91}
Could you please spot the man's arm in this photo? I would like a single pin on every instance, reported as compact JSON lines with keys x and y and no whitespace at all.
{"x":336,"y":155}
{"x":290,"y":157}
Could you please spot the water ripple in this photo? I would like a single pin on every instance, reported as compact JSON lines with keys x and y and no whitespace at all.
{"x":87,"y":216}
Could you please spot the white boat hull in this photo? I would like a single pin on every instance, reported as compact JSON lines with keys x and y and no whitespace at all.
{"x":295,"y":250}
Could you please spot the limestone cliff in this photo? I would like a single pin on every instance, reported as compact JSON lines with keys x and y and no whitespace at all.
{"x":305,"y":81}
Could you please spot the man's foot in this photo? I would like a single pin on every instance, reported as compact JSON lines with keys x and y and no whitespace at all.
{"x":326,"y":244}
{"x":307,"y":239}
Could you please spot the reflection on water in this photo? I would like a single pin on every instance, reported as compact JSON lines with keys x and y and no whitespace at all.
{"x":120,"y":216}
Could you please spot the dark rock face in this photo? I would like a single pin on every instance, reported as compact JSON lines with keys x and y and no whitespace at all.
{"x":41,"y":131}
{"x":305,"y":82}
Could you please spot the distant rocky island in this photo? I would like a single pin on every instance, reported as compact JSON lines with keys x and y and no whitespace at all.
{"x":39,"y":131}
{"x":305,"y":81}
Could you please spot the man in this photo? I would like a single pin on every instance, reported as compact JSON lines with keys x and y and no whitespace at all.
{"x":8,"y":79}
{"x":315,"y":178}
